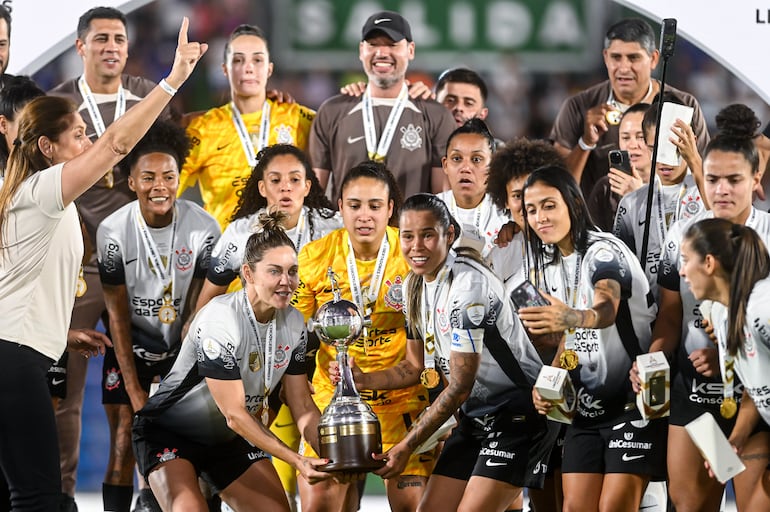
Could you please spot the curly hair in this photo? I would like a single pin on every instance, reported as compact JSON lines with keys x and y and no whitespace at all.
{"x":517,"y":159}
{"x":251,"y":201}
{"x":162,"y":137}
{"x":737,"y":120}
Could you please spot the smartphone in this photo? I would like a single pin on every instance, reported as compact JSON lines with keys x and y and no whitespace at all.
{"x":526,"y":295}
{"x":619,"y":160}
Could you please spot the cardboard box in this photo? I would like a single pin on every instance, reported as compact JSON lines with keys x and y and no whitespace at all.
{"x":653,"y":400}
{"x":555,"y":385}
{"x":714,"y":446}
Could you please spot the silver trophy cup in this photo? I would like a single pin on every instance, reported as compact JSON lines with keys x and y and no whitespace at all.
{"x":349,"y":431}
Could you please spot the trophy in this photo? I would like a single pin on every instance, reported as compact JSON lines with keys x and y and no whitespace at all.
{"x":349,"y":431}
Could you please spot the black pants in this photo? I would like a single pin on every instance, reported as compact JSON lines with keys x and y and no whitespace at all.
{"x":29,"y":449}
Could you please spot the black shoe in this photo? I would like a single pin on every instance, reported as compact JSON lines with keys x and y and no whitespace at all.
{"x":67,"y":504}
{"x":146,"y":502}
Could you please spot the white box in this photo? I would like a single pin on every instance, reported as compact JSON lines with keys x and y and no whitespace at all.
{"x":714,"y":447}
{"x":555,"y":385}
{"x":654,"y":398}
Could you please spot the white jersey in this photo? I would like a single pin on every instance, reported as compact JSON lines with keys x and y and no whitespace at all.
{"x":753,"y":358}
{"x":227,"y":257}
{"x":470,"y":310}
{"x":486,"y":218}
{"x":680,"y":202}
{"x":605,"y":355}
{"x":509,"y":263}
{"x":221,"y":344}
{"x":124,"y":259}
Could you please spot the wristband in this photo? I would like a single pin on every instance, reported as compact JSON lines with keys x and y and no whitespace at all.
{"x":584,"y":146}
{"x":170,"y":89}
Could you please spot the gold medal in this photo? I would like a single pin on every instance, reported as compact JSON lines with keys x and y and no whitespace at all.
{"x":613,"y":117}
{"x":265,"y":413}
{"x":430,"y":378}
{"x":728,"y":408}
{"x":81,"y":287}
{"x":568,"y":359}
{"x":376,"y":157}
{"x":109,"y":179}
{"x":167,"y":314}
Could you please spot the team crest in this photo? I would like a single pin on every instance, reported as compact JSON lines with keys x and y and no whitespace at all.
{"x":692,"y":206}
{"x":283,"y":134}
{"x":280,"y":356}
{"x":411,"y":137}
{"x":255,"y":362}
{"x":112,"y":381}
{"x":166,"y":455}
{"x":394,"y":296}
{"x":443,"y":320}
{"x":184,"y":259}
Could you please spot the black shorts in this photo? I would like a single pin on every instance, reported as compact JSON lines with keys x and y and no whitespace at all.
{"x":554,"y":463}
{"x":113,"y":387}
{"x":511,"y":448}
{"x":57,"y":377}
{"x":219,"y":464}
{"x":631,"y":446}
{"x":691,"y":398}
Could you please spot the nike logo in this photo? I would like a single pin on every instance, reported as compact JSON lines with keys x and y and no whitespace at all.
{"x":282,"y":425}
{"x":628,"y":458}
{"x":128,"y":262}
{"x":381,"y":20}
{"x":619,"y":426}
{"x":56,"y":382}
{"x":220,"y":148}
{"x":493,"y":464}
{"x":643,"y":222}
{"x":353,"y":140}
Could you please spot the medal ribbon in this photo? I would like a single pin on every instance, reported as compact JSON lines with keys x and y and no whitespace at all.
{"x":373,"y":290}
{"x":570,"y":297}
{"x":622,"y":107}
{"x":162,"y":271}
{"x":93,"y":108}
{"x":264,"y":132}
{"x":428,"y":325}
{"x":378,"y":151}
{"x":267,"y":360}
{"x":663,"y":226}
{"x":301,"y":229}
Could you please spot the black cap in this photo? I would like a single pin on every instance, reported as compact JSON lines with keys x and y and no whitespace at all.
{"x":392,"y":24}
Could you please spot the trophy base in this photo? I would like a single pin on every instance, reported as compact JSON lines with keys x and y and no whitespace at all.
{"x":352,"y":453}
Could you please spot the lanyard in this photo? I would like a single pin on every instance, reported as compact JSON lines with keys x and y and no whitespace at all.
{"x":366,"y":303}
{"x":481,"y":211}
{"x":162,"y":271}
{"x":662,"y":224}
{"x":428,"y":325}
{"x":264,"y":132}
{"x":570,"y":296}
{"x":301,"y":230}
{"x":93,"y":108}
{"x":378,"y":151}
{"x":622,"y":107}
{"x":266,"y":355}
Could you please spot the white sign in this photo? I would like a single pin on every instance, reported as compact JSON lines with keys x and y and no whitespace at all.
{"x":37,"y":37}
{"x":735,"y":34}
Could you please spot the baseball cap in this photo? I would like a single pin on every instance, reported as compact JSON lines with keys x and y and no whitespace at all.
{"x":390,"y":23}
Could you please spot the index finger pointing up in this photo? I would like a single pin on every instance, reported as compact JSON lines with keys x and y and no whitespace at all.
{"x":183,"y":31}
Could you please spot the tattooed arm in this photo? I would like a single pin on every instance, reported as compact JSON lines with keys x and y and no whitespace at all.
{"x":462,"y":368}
{"x":558,"y":316}
{"x":404,"y":374}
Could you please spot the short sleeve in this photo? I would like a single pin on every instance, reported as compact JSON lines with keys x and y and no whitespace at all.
{"x":297,"y":364}
{"x":470,"y":310}
{"x":109,"y":254}
{"x":319,"y":149}
{"x":203,"y":260}
{"x":668,"y":269}
{"x":623,"y":227}
{"x":188,"y":176}
{"x":608,"y":262}
{"x":216,"y":348}
{"x":225,"y":257}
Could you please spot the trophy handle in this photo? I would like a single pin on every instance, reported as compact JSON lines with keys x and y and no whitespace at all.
{"x":345,"y":387}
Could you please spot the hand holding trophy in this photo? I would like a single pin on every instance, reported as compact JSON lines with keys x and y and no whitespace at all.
{"x":349,"y":431}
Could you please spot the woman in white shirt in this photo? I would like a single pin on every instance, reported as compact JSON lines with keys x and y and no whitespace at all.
{"x":52,"y":164}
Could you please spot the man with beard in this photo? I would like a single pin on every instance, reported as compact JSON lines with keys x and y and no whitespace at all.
{"x":384,"y":124}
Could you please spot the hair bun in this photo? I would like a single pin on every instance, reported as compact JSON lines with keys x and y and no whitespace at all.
{"x":271,"y":220}
{"x":737,"y":120}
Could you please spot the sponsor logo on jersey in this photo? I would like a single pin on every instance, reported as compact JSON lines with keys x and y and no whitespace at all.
{"x":475,"y":313}
{"x":588,"y":406}
{"x":411,"y":138}
{"x":211,"y":348}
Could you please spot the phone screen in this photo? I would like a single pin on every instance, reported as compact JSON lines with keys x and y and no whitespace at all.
{"x":526,"y":295}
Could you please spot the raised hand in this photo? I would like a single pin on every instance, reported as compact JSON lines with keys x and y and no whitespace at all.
{"x":187,"y":56}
